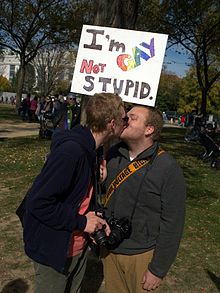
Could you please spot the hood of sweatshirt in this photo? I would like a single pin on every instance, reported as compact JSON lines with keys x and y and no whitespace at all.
{"x":79,"y":134}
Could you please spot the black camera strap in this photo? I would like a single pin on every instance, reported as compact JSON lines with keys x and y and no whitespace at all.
{"x":158,"y":152}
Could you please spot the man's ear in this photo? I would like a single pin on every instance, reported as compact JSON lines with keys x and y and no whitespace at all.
{"x":111,"y":125}
{"x":149,"y":130}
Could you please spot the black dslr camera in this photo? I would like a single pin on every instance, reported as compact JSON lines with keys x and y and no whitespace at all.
{"x":120,"y":229}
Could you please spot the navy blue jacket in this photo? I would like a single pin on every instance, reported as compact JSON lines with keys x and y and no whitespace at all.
{"x":53,"y":201}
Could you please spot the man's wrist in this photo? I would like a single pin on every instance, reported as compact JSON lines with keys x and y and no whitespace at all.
{"x":155,"y":273}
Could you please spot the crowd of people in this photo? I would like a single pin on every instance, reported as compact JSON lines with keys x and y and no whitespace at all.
{"x":137,"y":220}
{"x":54,"y":113}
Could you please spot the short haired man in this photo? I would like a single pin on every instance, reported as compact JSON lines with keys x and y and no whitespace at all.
{"x":60,"y":205}
{"x":152,"y":198}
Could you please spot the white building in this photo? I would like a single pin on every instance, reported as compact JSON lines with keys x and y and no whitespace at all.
{"x":9,"y":65}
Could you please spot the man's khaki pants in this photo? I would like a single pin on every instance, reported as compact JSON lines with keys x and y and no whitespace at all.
{"x":124,"y":273}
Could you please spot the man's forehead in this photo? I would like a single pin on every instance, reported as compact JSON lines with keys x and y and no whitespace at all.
{"x":138,"y":110}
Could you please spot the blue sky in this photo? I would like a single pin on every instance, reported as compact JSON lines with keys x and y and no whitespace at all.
{"x":176,"y":61}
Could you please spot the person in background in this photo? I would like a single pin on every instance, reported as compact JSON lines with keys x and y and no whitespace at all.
{"x":145,"y":185}
{"x":25,"y":106}
{"x":183,"y":120}
{"x":33,"y":108}
{"x":73,"y":112}
{"x":48,"y":105}
{"x":68,"y":115}
{"x":60,"y":206}
{"x":40,"y":107}
{"x":57,"y":104}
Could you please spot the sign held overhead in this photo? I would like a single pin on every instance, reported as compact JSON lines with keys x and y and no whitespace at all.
{"x":124,"y":62}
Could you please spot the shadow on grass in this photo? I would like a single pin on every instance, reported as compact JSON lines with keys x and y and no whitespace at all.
{"x":214,"y":278}
{"x":25,"y":141}
{"x":94,"y":275}
{"x":173,"y":140}
{"x":16,"y":286}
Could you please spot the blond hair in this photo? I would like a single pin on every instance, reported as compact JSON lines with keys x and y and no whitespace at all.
{"x":101,"y":109}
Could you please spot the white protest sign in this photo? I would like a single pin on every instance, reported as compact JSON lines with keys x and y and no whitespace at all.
{"x":119,"y":61}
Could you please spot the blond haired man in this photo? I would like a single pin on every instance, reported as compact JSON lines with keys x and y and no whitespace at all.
{"x":60,"y":205}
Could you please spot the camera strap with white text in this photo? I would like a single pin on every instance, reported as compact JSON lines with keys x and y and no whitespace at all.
{"x":127,"y":172}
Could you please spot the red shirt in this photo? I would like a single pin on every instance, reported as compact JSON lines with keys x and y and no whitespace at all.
{"x":78,"y":240}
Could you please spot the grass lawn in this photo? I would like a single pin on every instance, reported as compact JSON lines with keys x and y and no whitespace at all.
{"x":197,"y":267}
{"x":8,"y":113}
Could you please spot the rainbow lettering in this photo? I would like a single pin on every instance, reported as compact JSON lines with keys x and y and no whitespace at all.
{"x":127,"y":62}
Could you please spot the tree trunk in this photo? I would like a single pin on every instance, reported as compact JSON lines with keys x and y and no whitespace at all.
{"x":84,"y":101}
{"x":20,"y":85}
{"x":117,"y":13}
{"x":204,"y":102}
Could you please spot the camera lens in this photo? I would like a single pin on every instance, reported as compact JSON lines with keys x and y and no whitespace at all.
{"x":100,"y":237}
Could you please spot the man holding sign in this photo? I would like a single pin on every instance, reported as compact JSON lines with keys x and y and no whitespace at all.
{"x":145,"y":195}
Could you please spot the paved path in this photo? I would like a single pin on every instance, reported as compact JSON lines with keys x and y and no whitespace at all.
{"x":9,"y":129}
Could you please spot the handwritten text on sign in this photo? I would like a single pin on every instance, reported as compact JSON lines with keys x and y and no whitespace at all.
{"x":119,"y":61}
